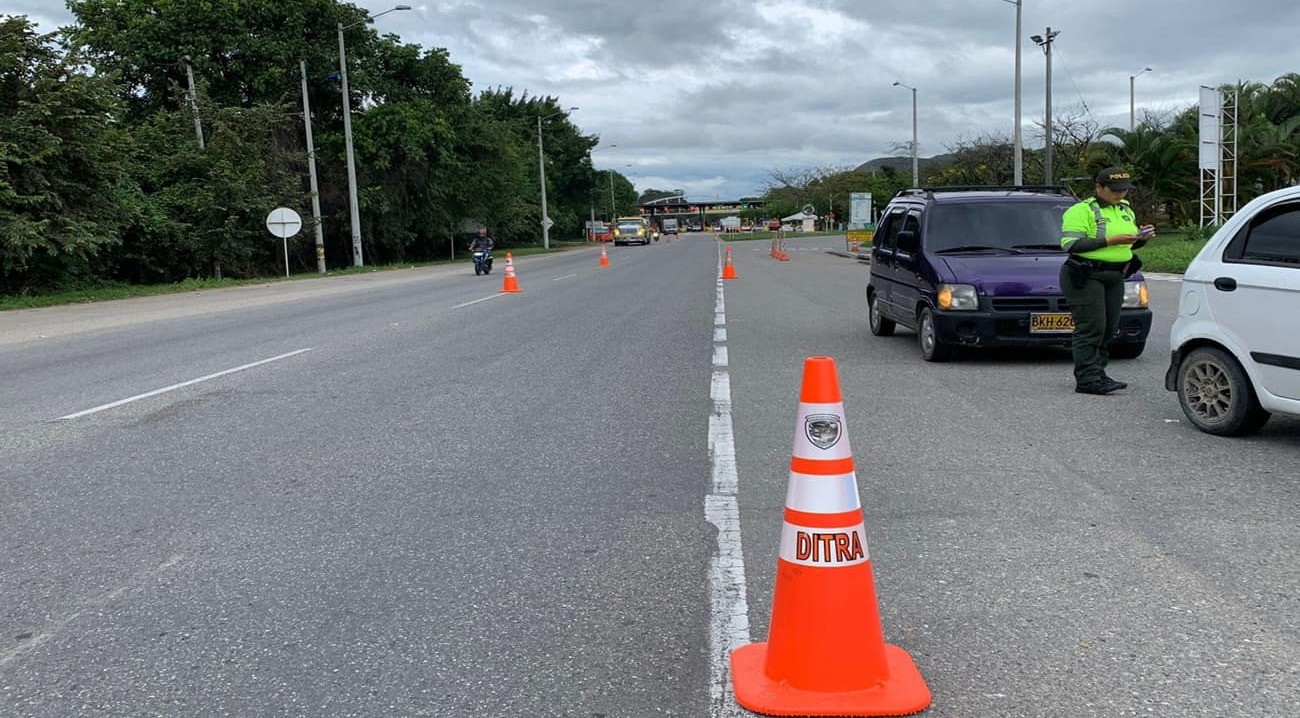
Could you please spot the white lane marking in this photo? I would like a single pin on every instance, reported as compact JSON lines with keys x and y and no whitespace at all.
{"x":476,"y":301}
{"x":719,"y":320}
{"x":183,"y":384}
{"x":720,"y":393}
{"x":728,"y":602}
{"x":729,"y":621}
{"x":567,"y":276}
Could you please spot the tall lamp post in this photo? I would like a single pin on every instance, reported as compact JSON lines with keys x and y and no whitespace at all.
{"x":347,"y":136}
{"x":916,"y":174}
{"x":1019,"y":161}
{"x":1132,"y":110}
{"x":541,"y":170}
{"x":1045,"y":42}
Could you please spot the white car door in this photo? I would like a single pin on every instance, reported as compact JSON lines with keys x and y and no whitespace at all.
{"x":1254,"y":295}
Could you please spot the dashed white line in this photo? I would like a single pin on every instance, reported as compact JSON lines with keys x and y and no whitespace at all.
{"x":567,"y":276}
{"x":183,"y":384}
{"x":476,"y":301}
{"x":729,"y":604}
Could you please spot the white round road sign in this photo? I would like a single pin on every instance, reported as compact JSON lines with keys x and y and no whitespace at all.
{"x":283,"y":222}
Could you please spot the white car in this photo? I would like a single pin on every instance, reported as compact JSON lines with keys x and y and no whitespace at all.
{"x":1236,"y":342}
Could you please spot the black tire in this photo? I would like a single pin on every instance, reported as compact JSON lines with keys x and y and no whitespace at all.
{"x":1131,"y":350}
{"x":487,"y":269}
{"x":1216,"y":394}
{"x":880,"y":326}
{"x":477,"y":270}
{"x":927,"y":338}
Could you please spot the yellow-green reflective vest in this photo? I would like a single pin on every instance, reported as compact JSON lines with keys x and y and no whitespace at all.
{"x":1090,"y":219}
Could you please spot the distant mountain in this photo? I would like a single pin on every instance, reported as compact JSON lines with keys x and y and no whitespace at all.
{"x":904,"y":164}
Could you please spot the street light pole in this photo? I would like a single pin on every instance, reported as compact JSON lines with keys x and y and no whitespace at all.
{"x":916,"y":174}
{"x":1132,"y":113}
{"x":347,"y":137}
{"x":1045,"y":42}
{"x":541,"y":171}
{"x":1018,"y":146}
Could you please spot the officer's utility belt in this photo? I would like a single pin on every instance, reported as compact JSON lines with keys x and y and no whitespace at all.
{"x":1081,"y":268}
{"x":1100,"y":266}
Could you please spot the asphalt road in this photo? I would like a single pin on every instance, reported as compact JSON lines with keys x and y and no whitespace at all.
{"x":497,"y":508}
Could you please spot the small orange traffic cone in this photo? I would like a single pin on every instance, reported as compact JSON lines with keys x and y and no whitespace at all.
{"x":511,"y":283}
{"x":604,"y":258}
{"x":729,"y":269}
{"x":825,"y":653}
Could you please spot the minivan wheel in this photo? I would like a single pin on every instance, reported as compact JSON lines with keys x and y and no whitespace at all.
{"x":928,"y":337}
{"x":880,"y":326}
{"x":1216,"y":394}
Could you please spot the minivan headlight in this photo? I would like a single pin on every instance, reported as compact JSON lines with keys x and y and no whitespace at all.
{"x":1135,"y":295}
{"x":958,"y":297}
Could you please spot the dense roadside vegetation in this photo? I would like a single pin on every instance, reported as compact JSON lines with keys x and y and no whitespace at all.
{"x":103,"y":180}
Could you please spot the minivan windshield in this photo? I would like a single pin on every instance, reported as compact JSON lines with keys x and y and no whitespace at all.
{"x":628,"y":227}
{"x":976,"y":226}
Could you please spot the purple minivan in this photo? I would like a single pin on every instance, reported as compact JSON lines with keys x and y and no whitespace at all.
{"x":980,"y":267}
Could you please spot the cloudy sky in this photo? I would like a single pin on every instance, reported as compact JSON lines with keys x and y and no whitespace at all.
{"x":710,"y":96}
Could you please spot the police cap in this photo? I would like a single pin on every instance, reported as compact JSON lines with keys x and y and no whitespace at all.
{"x":1115,"y":178}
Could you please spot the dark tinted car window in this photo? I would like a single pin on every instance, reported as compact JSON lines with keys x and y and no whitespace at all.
{"x":912,"y":225}
{"x":994,"y":224}
{"x":887,"y":235}
{"x":1275,"y":236}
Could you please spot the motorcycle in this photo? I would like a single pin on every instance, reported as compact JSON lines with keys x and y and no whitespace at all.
{"x":482,"y":262}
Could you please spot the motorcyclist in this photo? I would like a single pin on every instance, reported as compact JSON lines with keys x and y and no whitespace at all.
{"x":482,"y":241}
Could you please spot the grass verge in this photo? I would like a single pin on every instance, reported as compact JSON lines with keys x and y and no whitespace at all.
{"x":1170,"y":251}
{"x":108,"y":291}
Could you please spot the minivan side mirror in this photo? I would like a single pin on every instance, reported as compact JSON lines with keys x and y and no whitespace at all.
{"x":907,"y":241}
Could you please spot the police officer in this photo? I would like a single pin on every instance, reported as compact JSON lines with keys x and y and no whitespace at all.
{"x":1100,"y":233}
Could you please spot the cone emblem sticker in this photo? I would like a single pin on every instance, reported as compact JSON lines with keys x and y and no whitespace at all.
{"x":823,"y":430}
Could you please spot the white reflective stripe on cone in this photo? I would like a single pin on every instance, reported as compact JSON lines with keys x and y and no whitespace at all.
{"x":823,"y":423}
{"x":824,"y":547}
{"x":829,"y":494}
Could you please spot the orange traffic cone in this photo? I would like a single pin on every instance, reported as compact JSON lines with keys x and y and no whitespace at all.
{"x":511,"y":283}
{"x":729,"y":269}
{"x":604,"y":258}
{"x":825,"y":653}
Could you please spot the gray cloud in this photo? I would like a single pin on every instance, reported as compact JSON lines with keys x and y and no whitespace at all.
{"x":711,"y":96}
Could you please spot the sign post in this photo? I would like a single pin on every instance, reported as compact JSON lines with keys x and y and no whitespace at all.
{"x":284,"y":223}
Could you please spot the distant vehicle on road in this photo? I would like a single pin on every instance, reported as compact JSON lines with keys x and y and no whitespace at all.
{"x":1235,"y":346}
{"x":979,"y":267}
{"x":669,"y":225}
{"x":696,"y":227}
{"x":631,"y":230}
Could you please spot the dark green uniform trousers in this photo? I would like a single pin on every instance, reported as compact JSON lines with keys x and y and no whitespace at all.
{"x":1096,"y":319}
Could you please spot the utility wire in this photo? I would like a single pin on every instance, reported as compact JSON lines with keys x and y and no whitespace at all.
{"x":1072,"y":82}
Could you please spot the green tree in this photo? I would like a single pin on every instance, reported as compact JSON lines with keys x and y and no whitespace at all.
{"x":62,"y":174}
{"x":197,"y":210}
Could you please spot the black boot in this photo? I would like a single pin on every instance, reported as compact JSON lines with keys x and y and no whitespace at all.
{"x":1098,"y":386}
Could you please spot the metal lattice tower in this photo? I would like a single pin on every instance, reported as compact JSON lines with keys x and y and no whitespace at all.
{"x":1228,"y":148}
{"x":1219,"y":181}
